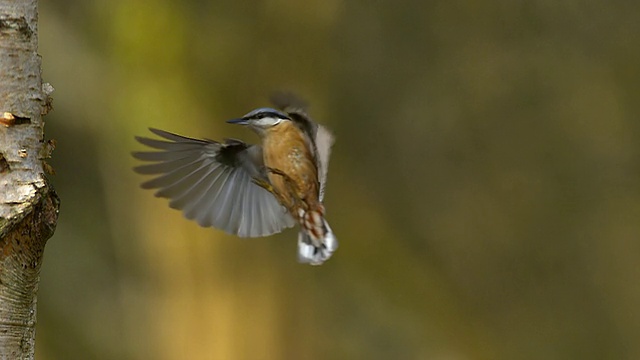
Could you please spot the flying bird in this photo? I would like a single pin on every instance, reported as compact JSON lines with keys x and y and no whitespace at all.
{"x":250,"y":190}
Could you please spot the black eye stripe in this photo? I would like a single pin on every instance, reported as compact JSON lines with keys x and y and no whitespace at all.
{"x":263,"y":115}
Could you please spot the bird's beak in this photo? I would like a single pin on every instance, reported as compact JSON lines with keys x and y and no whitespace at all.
{"x":240,"y":121}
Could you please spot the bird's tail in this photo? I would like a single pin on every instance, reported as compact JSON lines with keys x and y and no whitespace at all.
{"x":316,"y":241}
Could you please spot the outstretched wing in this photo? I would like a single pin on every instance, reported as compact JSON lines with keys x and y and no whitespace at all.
{"x":211,"y":183}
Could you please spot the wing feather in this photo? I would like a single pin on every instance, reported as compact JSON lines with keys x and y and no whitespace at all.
{"x":323,"y":141}
{"x":212,"y":183}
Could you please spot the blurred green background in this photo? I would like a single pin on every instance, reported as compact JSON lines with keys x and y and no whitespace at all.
{"x":484,"y":184}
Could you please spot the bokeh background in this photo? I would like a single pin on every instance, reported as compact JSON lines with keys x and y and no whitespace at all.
{"x":484,"y":184}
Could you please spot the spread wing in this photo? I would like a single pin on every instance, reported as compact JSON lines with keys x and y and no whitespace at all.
{"x":211,"y":183}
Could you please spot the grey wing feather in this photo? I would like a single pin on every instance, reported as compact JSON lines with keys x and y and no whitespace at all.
{"x":323,"y":140}
{"x":212,"y":183}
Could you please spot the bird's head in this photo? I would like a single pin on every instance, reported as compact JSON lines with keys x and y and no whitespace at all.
{"x":262,"y":119}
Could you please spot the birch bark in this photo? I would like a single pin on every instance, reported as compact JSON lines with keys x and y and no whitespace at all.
{"x":28,"y":204}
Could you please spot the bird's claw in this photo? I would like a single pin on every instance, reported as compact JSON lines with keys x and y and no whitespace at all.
{"x":264,"y":184}
{"x":267,"y":186}
{"x":278,"y":172}
{"x":295,"y":200}
{"x":291,"y":186}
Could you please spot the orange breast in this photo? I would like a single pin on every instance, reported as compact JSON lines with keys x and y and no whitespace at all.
{"x":286,"y":148}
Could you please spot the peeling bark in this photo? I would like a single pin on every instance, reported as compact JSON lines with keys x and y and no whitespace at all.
{"x":28,"y":204}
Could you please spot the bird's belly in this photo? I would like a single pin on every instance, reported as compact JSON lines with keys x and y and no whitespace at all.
{"x":295,"y":175}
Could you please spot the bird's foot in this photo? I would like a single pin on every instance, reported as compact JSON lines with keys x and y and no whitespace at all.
{"x":291,"y":186}
{"x":264,"y":184}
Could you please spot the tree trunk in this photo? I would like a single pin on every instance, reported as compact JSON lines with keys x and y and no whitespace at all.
{"x":28,"y":204}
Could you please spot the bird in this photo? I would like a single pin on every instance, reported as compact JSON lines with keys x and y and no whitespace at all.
{"x":250,"y":190}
